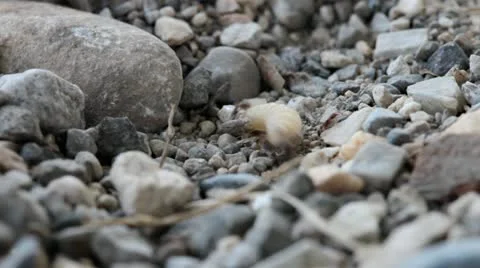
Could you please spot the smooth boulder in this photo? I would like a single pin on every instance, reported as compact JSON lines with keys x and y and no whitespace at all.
{"x":122,"y":70}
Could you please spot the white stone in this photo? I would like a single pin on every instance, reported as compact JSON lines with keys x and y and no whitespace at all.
{"x":409,"y":8}
{"x":409,"y":107}
{"x":382,"y":96}
{"x":398,"y":67}
{"x":420,"y":116}
{"x":173,"y":31}
{"x":388,"y":45}
{"x":72,"y":190}
{"x":341,"y":133}
{"x":144,"y":188}
{"x":360,"y":220}
{"x":438,"y":94}
{"x":242,"y":35}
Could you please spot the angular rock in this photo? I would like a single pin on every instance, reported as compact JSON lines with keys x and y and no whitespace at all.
{"x":173,"y":31}
{"x":447,"y":167}
{"x":426,"y":50}
{"x":49,"y":170}
{"x":33,"y":154}
{"x":379,"y":118}
{"x":378,"y":163}
{"x":115,"y":136}
{"x":404,"y":205}
{"x":296,"y":183}
{"x":242,"y":35}
{"x":144,"y":188}
{"x":342,"y":132}
{"x":387,"y":45}
{"x":380,"y":23}
{"x":401,"y":82}
{"x":77,"y":141}
{"x":409,"y":8}
{"x":19,"y":124}
{"x":204,"y":231}
{"x":196,"y":88}
{"x":110,"y":61}
{"x":468,"y":123}
{"x":27,"y":252}
{"x":292,"y":14}
{"x":353,"y":145}
{"x":471,"y":93}
{"x":235,"y":67}
{"x":119,"y":244}
{"x":228,"y":181}
{"x":438,"y":94}
{"x":446,"y":57}
{"x":475,"y":66}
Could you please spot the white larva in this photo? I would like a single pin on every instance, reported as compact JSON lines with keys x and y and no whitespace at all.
{"x":281,"y":124}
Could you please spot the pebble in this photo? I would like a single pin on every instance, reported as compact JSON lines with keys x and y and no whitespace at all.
{"x":340,"y":59}
{"x":304,"y":254}
{"x":296,"y":183}
{"x":467,"y":123}
{"x":233,"y":66}
{"x":380,"y":23}
{"x":353,"y":145}
{"x":332,"y":179}
{"x":379,"y":118}
{"x":228,"y":181}
{"x":409,"y":108}
{"x":378,"y":163}
{"x":120,"y":244}
{"x":270,"y":73}
{"x":242,"y":35}
{"x":445,"y":167}
{"x":72,"y":190}
{"x":409,"y":8}
{"x":77,"y":141}
{"x":91,"y":163}
{"x":292,"y":15}
{"x":387,"y":45}
{"x":207,"y":128}
{"x":438,"y":94}
{"x":196,"y":89}
{"x":305,"y":85}
{"x":19,"y":124}
{"x":204,"y":231}
{"x":398,"y":67}
{"x":145,"y":188}
{"x":398,"y":136}
{"x":10,"y":160}
{"x":471,"y":92}
{"x":446,"y":57}
{"x":360,"y":220}
{"x":50,"y":170}
{"x":404,"y":205}
{"x":122,"y":79}
{"x":26,"y":252}
{"x":401,"y":82}
{"x":33,"y":154}
{"x":342,"y":132}
{"x":200,"y":19}
{"x":173,"y":31}
{"x":382,"y":96}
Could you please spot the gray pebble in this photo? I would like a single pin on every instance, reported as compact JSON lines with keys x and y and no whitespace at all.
{"x":78,"y":140}
{"x":50,"y":170}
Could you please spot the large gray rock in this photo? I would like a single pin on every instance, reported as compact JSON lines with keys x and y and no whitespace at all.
{"x":233,"y":66}
{"x":388,"y":45}
{"x":57,"y":103}
{"x":123,"y":70}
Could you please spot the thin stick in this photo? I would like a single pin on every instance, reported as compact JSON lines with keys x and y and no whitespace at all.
{"x":170,"y":135}
{"x":318,"y":222}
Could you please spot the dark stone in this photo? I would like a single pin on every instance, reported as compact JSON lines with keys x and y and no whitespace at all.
{"x":315,"y":68}
{"x":75,"y":242}
{"x":446,"y":57}
{"x":115,"y":136}
{"x":50,"y":170}
{"x":33,"y":154}
{"x":401,"y":82}
{"x":341,"y":87}
{"x":228,"y":181}
{"x":295,"y":183}
{"x":196,"y":88}
{"x":19,"y":125}
{"x":203,"y":232}
{"x":398,"y":136}
{"x":77,"y":141}
{"x":379,"y":118}
{"x":426,"y":50}
{"x":292,"y":57}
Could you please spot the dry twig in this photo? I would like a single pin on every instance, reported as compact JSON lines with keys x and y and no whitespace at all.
{"x":170,"y":134}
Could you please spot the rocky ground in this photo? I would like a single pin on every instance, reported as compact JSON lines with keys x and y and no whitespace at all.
{"x":120,"y":145}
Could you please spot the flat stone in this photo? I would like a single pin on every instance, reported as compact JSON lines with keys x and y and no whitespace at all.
{"x":446,"y":166}
{"x":304,"y":254}
{"x":173,"y":31}
{"x":145,"y":188}
{"x":332,"y":179}
{"x":378,"y":163}
{"x":359,"y":138}
{"x":203,"y":232}
{"x":119,"y":244}
{"x":242,"y":35}
{"x":360,"y":220}
{"x":387,"y":45}
{"x":342,"y":132}
{"x":446,"y":57}
{"x":379,"y":118}
{"x":57,"y":103}
{"x":437,"y":94}
{"x":50,"y":170}
{"x":99,"y":55}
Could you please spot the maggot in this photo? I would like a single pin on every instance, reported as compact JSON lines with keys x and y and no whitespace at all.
{"x":280,"y":124}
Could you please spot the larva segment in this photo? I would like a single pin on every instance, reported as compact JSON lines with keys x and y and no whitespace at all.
{"x":281,"y":124}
